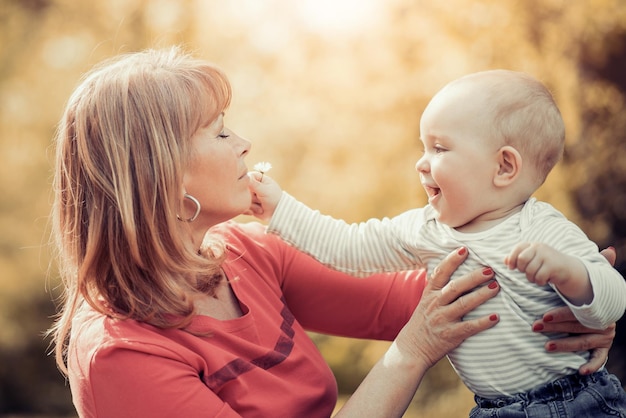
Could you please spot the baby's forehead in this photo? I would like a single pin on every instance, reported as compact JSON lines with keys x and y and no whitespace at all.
{"x":458,"y":100}
{"x":462,"y":91}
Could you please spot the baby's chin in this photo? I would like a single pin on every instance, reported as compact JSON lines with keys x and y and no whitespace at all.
{"x":450,"y":221}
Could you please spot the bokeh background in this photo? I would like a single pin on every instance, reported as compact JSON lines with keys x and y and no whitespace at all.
{"x":330,"y":92}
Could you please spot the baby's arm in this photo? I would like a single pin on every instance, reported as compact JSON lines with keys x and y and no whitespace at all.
{"x":571,"y":263}
{"x":594,"y":290}
{"x":360,"y":249}
{"x":543,"y":264}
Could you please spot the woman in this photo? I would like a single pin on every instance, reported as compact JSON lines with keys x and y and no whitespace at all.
{"x":172,"y":309}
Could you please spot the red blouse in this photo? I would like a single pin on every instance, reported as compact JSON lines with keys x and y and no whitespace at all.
{"x":262,"y":364}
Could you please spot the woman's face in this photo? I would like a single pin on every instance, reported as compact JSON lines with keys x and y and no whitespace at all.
{"x":217,"y":174}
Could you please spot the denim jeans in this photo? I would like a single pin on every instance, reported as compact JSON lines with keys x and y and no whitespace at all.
{"x":594,"y":396}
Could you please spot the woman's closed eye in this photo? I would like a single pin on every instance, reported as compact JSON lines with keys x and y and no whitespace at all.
{"x":223,"y":135}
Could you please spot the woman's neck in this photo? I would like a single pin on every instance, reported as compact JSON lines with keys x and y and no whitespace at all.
{"x":224,"y":305}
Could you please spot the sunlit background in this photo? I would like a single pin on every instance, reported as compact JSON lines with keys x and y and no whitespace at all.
{"x":330,"y":92}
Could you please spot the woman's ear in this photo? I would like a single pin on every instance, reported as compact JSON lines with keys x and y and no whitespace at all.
{"x":509,"y":166}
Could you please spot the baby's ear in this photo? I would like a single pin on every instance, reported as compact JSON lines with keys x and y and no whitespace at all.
{"x":509,"y":166}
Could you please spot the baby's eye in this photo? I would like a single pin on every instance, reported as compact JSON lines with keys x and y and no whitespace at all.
{"x":439,"y":149}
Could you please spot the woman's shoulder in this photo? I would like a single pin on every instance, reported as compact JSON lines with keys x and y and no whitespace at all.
{"x":94,"y":333}
{"x":109,"y":359}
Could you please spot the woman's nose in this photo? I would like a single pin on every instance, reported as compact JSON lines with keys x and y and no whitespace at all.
{"x":243,"y":144}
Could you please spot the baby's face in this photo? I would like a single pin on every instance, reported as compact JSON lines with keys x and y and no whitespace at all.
{"x":459,"y":161}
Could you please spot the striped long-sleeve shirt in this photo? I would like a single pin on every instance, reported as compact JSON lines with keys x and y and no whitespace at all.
{"x":508,"y":358}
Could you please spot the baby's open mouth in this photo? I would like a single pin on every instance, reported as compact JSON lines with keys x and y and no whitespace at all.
{"x":431,"y":191}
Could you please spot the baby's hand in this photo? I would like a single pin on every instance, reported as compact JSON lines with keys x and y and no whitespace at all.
{"x":265,"y":195}
{"x":541,"y":263}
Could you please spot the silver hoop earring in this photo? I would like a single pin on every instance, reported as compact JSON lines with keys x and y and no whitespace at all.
{"x":198,"y":207}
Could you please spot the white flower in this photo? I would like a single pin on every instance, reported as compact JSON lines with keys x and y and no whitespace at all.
{"x":262,"y":167}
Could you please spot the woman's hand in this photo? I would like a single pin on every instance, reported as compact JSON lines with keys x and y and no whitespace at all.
{"x":435,"y":328}
{"x":582,"y":339}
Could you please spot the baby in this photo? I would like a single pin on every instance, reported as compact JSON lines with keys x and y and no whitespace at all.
{"x":490,"y":140}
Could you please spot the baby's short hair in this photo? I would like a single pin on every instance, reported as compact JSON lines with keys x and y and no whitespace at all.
{"x":524,"y":116}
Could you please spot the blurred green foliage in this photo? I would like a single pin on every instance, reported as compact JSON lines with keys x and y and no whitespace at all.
{"x":332,"y":98}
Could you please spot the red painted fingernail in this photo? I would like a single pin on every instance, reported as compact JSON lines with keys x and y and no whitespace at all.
{"x":548,"y":318}
{"x":538,"y":327}
{"x":487,"y":271}
{"x":493,"y":285}
{"x":462,"y":251}
{"x":493,"y":317}
{"x":551,"y":347}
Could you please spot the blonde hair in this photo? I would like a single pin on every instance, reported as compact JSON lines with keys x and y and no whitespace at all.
{"x":524,"y":115}
{"x":122,"y":146}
